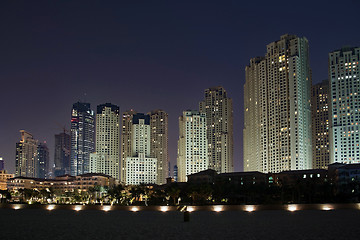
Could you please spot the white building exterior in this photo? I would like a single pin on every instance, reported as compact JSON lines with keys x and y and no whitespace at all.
{"x":192,"y":144}
{"x":277,"y":126}
{"x":344,"y":75}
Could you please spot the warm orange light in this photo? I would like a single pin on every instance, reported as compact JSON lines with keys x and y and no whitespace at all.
{"x":134,"y":209}
{"x":218,"y":208}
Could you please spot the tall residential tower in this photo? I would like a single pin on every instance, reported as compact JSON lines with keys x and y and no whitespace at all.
{"x":62,"y":154}
{"x":219,"y":121}
{"x":320,"y":124}
{"x":192,"y":144}
{"x":82,"y":138}
{"x":277,"y":127}
{"x":344,"y":75}
{"x":26,"y":162}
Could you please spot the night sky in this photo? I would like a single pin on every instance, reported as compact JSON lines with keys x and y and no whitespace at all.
{"x":146,"y":55}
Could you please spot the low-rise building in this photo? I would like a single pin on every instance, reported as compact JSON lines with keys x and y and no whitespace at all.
{"x":4,"y":177}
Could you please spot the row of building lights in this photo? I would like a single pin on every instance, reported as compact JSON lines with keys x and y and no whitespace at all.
{"x":217,"y":208}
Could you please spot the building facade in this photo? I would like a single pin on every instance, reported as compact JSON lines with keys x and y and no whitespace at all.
{"x":344,"y":75}
{"x":2,"y":164}
{"x":192,"y":144}
{"x":82,"y":138}
{"x":26,"y":162}
{"x":320,"y":124}
{"x":44,"y":160}
{"x":159,"y":143}
{"x":219,"y":122}
{"x":62,"y":154}
{"x":277,"y":93}
{"x":4,"y":177}
{"x":106,"y":160}
{"x":141,"y":168}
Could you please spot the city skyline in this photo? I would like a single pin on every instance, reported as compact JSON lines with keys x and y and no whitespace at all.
{"x":166,"y":64}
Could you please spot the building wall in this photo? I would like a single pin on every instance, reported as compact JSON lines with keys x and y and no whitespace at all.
{"x":26,"y":162}
{"x":107,"y":140}
{"x":62,"y":154}
{"x":159,"y":143}
{"x":192,"y":144}
{"x":219,"y":122}
{"x":277,"y":131}
{"x":82,"y":138}
{"x":344,"y":75}
{"x":320,"y":124}
{"x":44,"y":160}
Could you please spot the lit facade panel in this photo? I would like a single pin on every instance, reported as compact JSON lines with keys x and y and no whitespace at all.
{"x":26,"y":161}
{"x":82,"y":138}
{"x":192,"y":144}
{"x":344,"y":78}
{"x":219,"y":122}
{"x":277,"y":127}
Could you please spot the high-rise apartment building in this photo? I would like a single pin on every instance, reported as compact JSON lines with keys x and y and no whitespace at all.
{"x":219,"y":120}
{"x":126,"y":143}
{"x":107,"y":156}
{"x":192,"y":144}
{"x":2,"y":164}
{"x":82,"y":138}
{"x":140,"y":168}
{"x":320,"y":124}
{"x":62,"y":154}
{"x":159,"y":143}
{"x":277,"y":126}
{"x":26,"y":162}
{"x":344,"y":75}
{"x":44,"y":160}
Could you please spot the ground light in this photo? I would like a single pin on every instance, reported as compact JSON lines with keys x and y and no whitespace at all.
{"x":164,"y":208}
{"x":250,"y":208}
{"x":16,"y":207}
{"x":134,"y":209}
{"x":106,"y":208}
{"x":292,"y":208}
{"x":218,"y":208}
{"x":50,"y":207}
{"x":190,"y":209}
{"x":327,"y":207}
{"x":78,"y":208}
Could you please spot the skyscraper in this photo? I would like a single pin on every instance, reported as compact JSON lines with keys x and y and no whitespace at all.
{"x":82,"y":138}
{"x":26,"y":162}
{"x":159,"y":143}
{"x":62,"y":154}
{"x":126,"y":143}
{"x":320,"y":124}
{"x":44,"y":160}
{"x":2,"y":164}
{"x":344,"y":75}
{"x":277,"y":127}
{"x":141,"y":168}
{"x":219,"y":121}
{"x":192,"y":144}
{"x":107,"y":141}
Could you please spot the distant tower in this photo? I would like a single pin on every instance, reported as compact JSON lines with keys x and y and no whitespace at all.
{"x":107,"y":158}
{"x":2,"y":164}
{"x":344,"y":75}
{"x":62,"y":154}
{"x":320,"y":124}
{"x":126,"y":143}
{"x":277,"y":116}
{"x":141,"y":168}
{"x":44,"y":160}
{"x":82,"y":138}
{"x":219,"y":121}
{"x":175,"y":173}
{"x":159,"y":143}
{"x":26,"y":162}
{"x":192,"y":144}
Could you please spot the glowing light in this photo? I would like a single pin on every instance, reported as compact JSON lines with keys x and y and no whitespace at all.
{"x":78,"y":208}
{"x":134,"y":209}
{"x":106,"y":208}
{"x":16,"y":207}
{"x":292,"y":208}
{"x":250,"y":208}
{"x":164,"y":208}
{"x":50,"y":207}
{"x":218,"y":208}
{"x":327,"y":208}
{"x":190,"y":209}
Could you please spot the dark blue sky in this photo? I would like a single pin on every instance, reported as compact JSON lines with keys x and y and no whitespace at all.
{"x":146,"y":55}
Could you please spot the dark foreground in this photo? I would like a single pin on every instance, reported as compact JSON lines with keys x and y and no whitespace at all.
{"x":264,"y":225}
